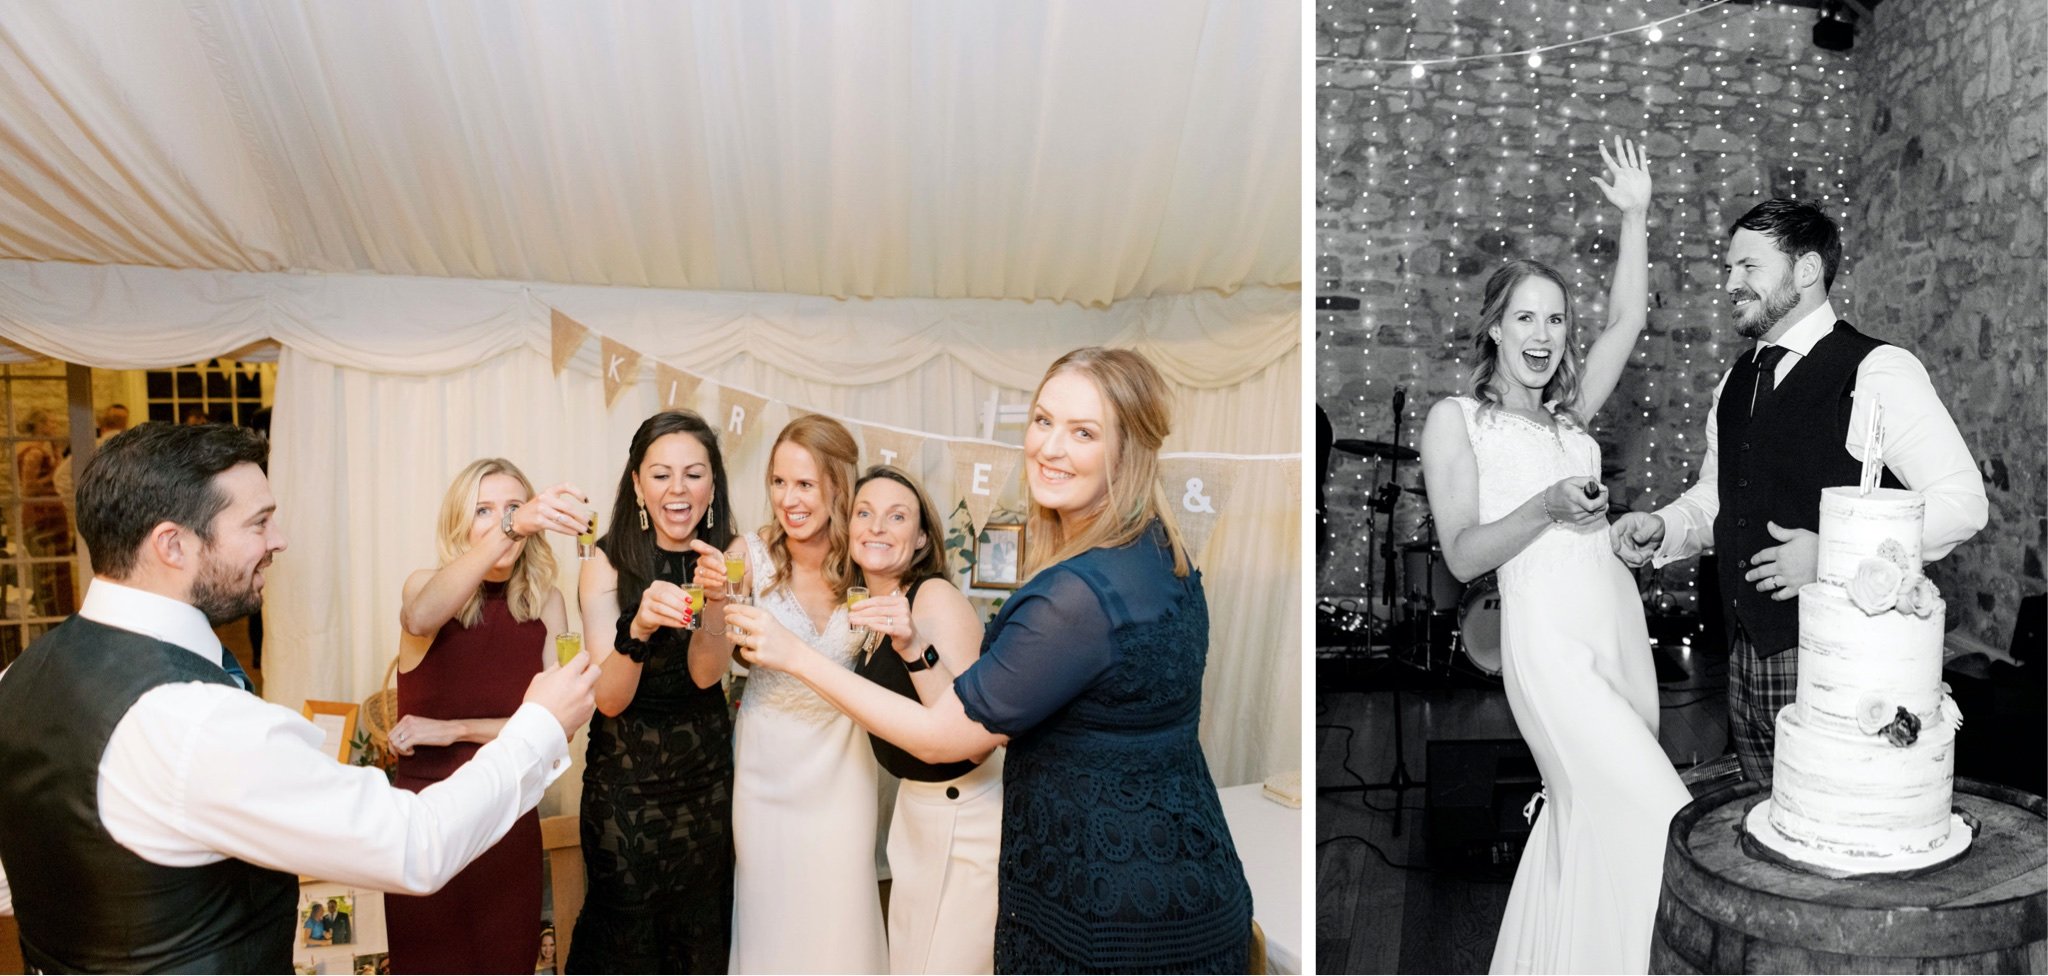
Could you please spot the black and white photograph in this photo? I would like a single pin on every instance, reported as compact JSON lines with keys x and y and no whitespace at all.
{"x":1680,"y":485}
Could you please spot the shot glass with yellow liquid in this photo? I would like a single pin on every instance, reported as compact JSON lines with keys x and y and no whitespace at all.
{"x":567,"y":646}
{"x":586,"y":542}
{"x":854,"y":595}
{"x":735,"y":574}
{"x":696,"y":594}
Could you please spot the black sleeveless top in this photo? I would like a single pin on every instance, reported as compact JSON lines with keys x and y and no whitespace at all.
{"x":86,"y":903}
{"x":885,"y":667}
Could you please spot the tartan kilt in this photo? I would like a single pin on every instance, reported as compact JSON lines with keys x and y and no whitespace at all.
{"x":1758,"y":687}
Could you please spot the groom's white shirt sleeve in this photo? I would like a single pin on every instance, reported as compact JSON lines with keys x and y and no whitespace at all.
{"x":1922,"y":448}
{"x":197,"y":773}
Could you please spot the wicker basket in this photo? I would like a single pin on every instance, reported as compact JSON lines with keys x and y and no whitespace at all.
{"x":380,"y":711}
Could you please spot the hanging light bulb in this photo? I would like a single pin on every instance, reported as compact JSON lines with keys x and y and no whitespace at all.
{"x":1415,"y":71}
{"x":1656,"y":34}
{"x":1535,"y":60}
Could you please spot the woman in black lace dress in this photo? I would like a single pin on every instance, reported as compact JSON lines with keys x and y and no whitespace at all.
{"x":1092,"y":673}
{"x":657,"y":785}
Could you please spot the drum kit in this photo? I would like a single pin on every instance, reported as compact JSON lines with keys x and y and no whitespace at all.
{"x":1426,"y":617}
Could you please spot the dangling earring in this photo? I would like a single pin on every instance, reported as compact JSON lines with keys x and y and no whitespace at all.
{"x":643,"y":514}
{"x":711,"y":516}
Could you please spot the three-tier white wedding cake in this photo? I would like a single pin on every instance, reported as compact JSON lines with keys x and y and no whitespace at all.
{"x":1865,"y":758}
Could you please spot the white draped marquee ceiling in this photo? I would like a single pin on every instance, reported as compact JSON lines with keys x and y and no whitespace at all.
{"x":1074,"y":151}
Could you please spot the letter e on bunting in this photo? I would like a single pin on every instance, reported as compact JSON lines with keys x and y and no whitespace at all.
{"x":1198,"y":490}
{"x":620,"y":365}
{"x":982,"y":475}
{"x":896,"y":448}
{"x":675,"y":389}
{"x":565,"y":335}
{"x":738,"y":413}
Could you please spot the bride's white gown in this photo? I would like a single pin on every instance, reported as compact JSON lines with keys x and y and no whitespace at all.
{"x":805,"y":894}
{"x":1576,"y":656}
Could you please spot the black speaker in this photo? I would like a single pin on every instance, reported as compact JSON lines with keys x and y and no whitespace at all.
{"x":1477,"y":788}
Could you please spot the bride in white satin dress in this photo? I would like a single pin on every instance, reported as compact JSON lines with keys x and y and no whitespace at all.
{"x":805,"y":893}
{"x":1514,"y":484}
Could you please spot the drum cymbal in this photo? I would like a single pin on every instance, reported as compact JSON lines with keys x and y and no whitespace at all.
{"x":1375,"y":449}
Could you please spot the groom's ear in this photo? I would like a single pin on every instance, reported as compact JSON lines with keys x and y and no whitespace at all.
{"x":1809,"y":269}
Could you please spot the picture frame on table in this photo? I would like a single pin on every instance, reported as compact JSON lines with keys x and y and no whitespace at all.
{"x":337,"y":724}
{"x":998,"y":558}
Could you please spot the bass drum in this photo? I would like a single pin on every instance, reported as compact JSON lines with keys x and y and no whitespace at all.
{"x":1479,"y":625}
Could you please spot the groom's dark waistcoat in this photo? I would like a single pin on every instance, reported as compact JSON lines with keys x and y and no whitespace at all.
{"x":1774,"y":464}
{"x":84,"y":902}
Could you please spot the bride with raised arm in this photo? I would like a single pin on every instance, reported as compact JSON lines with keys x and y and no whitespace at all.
{"x":1514,"y":483}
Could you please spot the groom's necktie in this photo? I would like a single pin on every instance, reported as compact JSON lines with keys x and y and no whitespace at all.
{"x":234,"y":668}
{"x":1766,"y":372}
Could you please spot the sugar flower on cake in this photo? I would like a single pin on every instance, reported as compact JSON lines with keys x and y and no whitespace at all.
{"x":1904,"y":729}
{"x":1918,"y":597}
{"x":1892,"y":552}
{"x":1950,"y":711}
{"x":1875,"y":587}
{"x":1873,"y":714}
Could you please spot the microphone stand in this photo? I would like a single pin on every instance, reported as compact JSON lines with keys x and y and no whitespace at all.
{"x":1398,"y":780}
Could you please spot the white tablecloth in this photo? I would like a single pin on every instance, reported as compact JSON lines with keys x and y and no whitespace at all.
{"x":1268,"y":839}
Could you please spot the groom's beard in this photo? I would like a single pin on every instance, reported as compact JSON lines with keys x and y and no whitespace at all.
{"x":1769,"y":312}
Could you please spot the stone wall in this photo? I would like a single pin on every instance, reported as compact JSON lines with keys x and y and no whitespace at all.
{"x":1953,"y":102}
{"x":1428,"y":183}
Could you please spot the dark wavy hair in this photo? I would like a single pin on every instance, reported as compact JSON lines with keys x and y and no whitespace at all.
{"x":630,"y":548}
{"x":1797,"y":228}
{"x":156,"y":473}
{"x":930,"y":560}
{"x":1563,"y":388}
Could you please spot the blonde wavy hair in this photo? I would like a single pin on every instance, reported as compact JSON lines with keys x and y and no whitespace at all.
{"x":837,"y":457}
{"x":533,"y":573}
{"x":1140,"y":417}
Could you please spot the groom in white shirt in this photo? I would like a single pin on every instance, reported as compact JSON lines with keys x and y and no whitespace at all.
{"x":1783,"y":426}
{"x":155,"y":815}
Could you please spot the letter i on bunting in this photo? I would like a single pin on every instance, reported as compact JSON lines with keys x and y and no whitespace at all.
{"x":621,"y":367}
{"x":1198,"y":489}
{"x":675,"y":389}
{"x":565,"y":336}
{"x":982,"y":473}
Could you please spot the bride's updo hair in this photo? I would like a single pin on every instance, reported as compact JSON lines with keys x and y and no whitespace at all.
{"x":1563,"y":388}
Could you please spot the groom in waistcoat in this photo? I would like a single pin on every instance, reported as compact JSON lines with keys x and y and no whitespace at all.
{"x":154,"y":815}
{"x":1783,"y":426}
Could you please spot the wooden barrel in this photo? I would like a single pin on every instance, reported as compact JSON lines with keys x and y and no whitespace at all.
{"x":1724,"y":911}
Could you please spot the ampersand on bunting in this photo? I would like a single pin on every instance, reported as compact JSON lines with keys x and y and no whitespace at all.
{"x":1194,"y":500}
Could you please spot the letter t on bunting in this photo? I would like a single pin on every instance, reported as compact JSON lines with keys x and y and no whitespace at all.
{"x":675,"y":389}
{"x":982,"y":475}
{"x":565,"y":336}
{"x":896,"y":448}
{"x":1198,"y":492}
{"x":621,"y":366}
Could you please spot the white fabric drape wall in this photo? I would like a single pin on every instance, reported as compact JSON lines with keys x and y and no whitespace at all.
{"x":387,"y":386}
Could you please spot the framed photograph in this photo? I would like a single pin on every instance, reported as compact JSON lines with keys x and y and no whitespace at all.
{"x":998,"y":557}
{"x":338,"y":929}
{"x":337,"y":722}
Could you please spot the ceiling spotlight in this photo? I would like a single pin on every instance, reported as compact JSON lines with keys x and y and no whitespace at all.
{"x":1656,"y":34}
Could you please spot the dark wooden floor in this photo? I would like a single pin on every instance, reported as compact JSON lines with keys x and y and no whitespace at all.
{"x":1374,"y":917}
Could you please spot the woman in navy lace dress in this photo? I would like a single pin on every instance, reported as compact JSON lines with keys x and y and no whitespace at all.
{"x":1115,"y":855}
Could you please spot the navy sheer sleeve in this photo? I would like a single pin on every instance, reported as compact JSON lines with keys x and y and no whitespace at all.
{"x":1052,"y":641}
